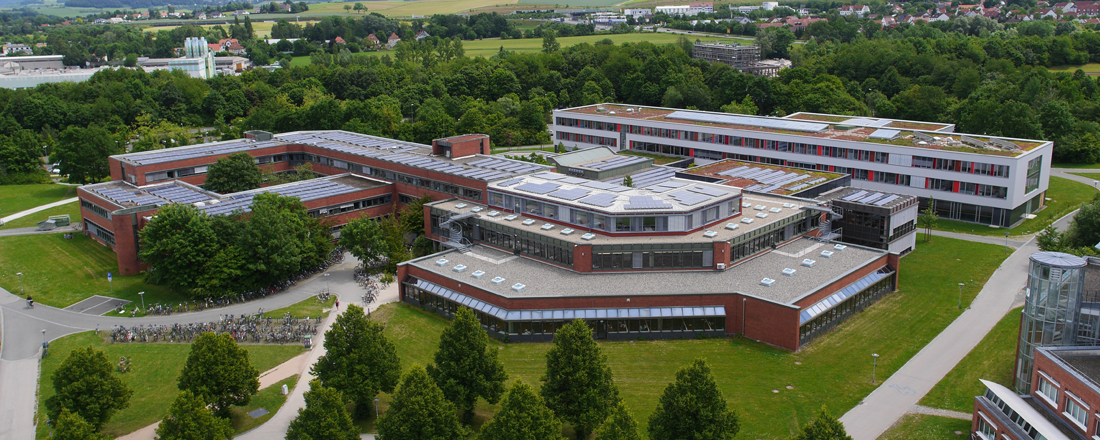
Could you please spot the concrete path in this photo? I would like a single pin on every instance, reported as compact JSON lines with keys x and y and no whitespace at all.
{"x":23,"y":336}
{"x":921,"y":409}
{"x":33,"y":230}
{"x":21,"y":214}
{"x":1012,"y":242}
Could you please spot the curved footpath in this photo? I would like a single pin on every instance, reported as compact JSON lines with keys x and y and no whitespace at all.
{"x":22,"y":214}
{"x":22,"y":337}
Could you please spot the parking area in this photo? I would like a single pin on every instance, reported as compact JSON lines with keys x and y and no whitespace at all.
{"x":97,"y":305}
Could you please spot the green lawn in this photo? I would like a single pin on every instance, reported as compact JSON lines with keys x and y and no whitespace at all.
{"x":657,"y":158}
{"x":1090,"y":67}
{"x":308,"y":308}
{"x":1094,"y":176}
{"x":270,"y":398}
{"x":73,"y":209}
{"x":1077,"y":165}
{"x":15,"y":198}
{"x":154,"y":371}
{"x":834,"y":370}
{"x":924,"y":427}
{"x":992,"y":360}
{"x":60,"y":272}
{"x":1065,"y":195}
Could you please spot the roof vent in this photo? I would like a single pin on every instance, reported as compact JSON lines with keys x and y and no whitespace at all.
{"x":460,"y":205}
{"x":441,"y":262}
{"x":478,"y":274}
{"x":497,"y":280}
{"x":494,"y":213}
{"x":767,"y":282}
{"x":788,"y":205}
{"x":710,"y":234}
{"x":731,"y":226}
{"x":808,"y":262}
{"x":746,"y":220}
{"x":528,"y":222}
{"x":566,"y":231}
{"x":840,"y":247}
{"x":519,"y":287}
{"x":788,"y":272}
{"x":759,"y":207}
{"x":775,"y":210}
{"x":199,"y":204}
{"x":459,"y":268}
{"x":213,"y":201}
{"x":547,"y":226}
{"x":588,"y":236}
{"x":827,"y":254}
{"x":477,"y":209}
{"x":510,"y":217}
{"x":761,"y":215}
{"x":611,"y":113}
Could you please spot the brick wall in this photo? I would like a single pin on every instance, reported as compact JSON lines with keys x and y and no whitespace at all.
{"x":1066,"y":382}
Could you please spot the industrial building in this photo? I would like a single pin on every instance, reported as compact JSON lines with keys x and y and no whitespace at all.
{"x":675,"y":255}
{"x":743,"y":57}
{"x":982,"y":179}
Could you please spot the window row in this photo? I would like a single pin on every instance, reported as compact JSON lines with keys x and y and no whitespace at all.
{"x":830,"y":318}
{"x":96,"y":209}
{"x":103,"y":234}
{"x":652,"y":260}
{"x":592,"y":220}
{"x":587,"y":138}
{"x":352,"y":206}
{"x":1012,"y":415}
{"x":437,"y":186}
{"x":532,"y":245}
{"x":594,"y":125}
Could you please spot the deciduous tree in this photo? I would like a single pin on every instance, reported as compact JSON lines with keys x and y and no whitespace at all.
{"x":466,"y":368}
{"x":70,"y":426}
{"x":358,"y":360}
{"x":234,"y":173}
{"x":218,"y":371}
{"x":83,"y":153}
{"x":190,"y":419}
{"x":86,"y":385}
{"x":177,"y":244}
{"x":692,"y":408}
{"x":419,"y":411}
{"x":324,"y":417}
{"x":578,"y":385}
{"x":823,"y":427}
{"x":620,"y":425}
{"x":523,"y":415}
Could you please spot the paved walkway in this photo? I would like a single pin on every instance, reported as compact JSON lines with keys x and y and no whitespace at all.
{"x":22,"y":337}
{"x":21,"y":214}
{"x":921,"y":409}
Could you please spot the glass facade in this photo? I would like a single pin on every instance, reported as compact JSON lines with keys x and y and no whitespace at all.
{"x":826,"y":314}
{"x":540,"y":325}
{"x":1054,"y":288}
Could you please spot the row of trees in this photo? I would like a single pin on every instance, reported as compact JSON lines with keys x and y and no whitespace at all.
{"x":1081,"y":238}
{"x":217,"y":376}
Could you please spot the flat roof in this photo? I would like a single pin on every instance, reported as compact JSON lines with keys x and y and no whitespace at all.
{"x":865,"y":197}
{"x":1084,"y":361}
{"x":669,"y":196}
{"x":724,"y":231}
{"x":757,"y":177}
{"x":913,"y":134}
{"x":411,"y":154}
{"x":305,"y":190}
{"x":547,"y":280}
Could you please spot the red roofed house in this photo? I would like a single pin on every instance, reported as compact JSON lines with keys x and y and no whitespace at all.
{"x":374,"y":42}
{"x":1088,"y":8}
{"x":339,"y":40}
{"x":392,"y":41}
{"x":422,"y":35}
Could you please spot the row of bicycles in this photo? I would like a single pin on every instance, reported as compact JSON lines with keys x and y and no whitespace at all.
{"x":244,"y":329}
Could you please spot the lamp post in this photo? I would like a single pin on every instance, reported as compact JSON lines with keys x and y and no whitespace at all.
{"x":43,"y":338}
{"x":20,"y":275}
{"x":1006,"y":242}
{"x":142,"y":295}
{"x":376,"y":409}
{"x":326,"y":283}
{"x":874,"y":367}
{"x":960,"y":296}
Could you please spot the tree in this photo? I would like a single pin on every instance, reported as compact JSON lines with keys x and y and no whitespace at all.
{"x":419,"y":411}
{"x":523,"y":415}
{"x":177,"y":244}
{"x":279,"y":239}
{"x":550,"y":42}
{"x":85,"y":384}
{"x":234,"y":173}
{"x":359,"y":7}
{"x":83,"y":153}
{"x":324,"y":417}
{"x":1084,"y":230}
{"x":21,"y":153}
{"x":1051,"y":240}
{"x":628,"y":182}
{"x":578,"y":385}
{"x":465,"y":366}
{"x":358,"y":360}
{"x":823,"y":427}
{"x":364,"y":238}
{"x":190,"y":419}
{"x":218,"y":371}
{"x":928,"y":218}
{"x":620,"y":425}
{"x":70,"y":426}
{"x":692,"y":408}
{"x":347,"y":8}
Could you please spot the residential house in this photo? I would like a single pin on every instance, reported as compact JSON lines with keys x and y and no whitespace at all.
{"x":1087,"y":8}
{"x":857,"y":10}
{"x":422,"y":35}
{"x":392,"y":41}
{"x":10,"y":48}
{"x":200,"y":16}
{"x":284,"y":7}
{"x":340,"y":40}
{"x":373,"y":41}
{"x":1046,"y":12}
{"x":1065,"y":7}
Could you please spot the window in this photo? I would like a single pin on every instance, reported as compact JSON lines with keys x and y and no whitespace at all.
{"x":985,"y":429}
{"x":1034,"y":172}
{"x":1048,"y":390}
{"x":622,"y":224}
{"x":98,"y":210}
{"x":710,"y":214}
{"x":1075,"y":411}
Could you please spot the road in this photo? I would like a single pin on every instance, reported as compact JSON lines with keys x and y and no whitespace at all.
{"x":23,"y":335}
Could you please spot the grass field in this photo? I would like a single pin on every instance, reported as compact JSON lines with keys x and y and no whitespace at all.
{"x":270,"y":398}
{"x":1094,"y":176}
{"x":73,"y":209}
{"x":60,"y":272}
{"x":1065,"y":195}
{"x":1088,"y":68}
{"x":1092,"y":166}
{"x":923,"y":427}
{"x":15,"y":198}
{"x":308,"y":308}
{"x":834,"y":370}
{"x":262,"y":28}
{"x":992,"y":360}
{"x":154,"y":371}
{"x":410,"y":8}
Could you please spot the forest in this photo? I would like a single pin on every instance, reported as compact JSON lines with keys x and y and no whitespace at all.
{"x":995,"y":83}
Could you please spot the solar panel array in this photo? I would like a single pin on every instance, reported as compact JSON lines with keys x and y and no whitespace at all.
{"x":883,"y":133}
{"x":646,"y":202}
{"x":855,"y":195}
{"x":707,"y":191}
{"x":666,"y":186}
{"x":889,"y":199}
{"x":780,"y":124}
{"x":688,"y":198}
{"x":869,"y":198}
{"x":600,"y":199}
{"x":550,"y":176}
{"x":178,"y":194}
{"x":122,"y":196}
{"x":511,"y":166}
{"x":538,"y":188}
{"x":768,"y":180}
{"x":867,"y":122}
{"x":570,"y":194}
{"x":618,"y":161}
{"x":605,"y":186}
{"x":181,"y":153}
{"x":652,"y":177}
{"x":511,"y":182}
{"x":304,"y":191}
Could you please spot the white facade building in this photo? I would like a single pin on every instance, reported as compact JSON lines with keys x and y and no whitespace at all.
{"x":687,"y":10}
{"x":981,"y":179}
{"x":638,"y":13}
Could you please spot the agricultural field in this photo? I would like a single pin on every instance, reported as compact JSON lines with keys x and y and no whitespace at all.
{"x":409,"y":8}
{"x":1090,"y":68}
{"x":262,"y":28}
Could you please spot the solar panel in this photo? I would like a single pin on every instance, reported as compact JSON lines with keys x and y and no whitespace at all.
{"x":708,"y":191}
{"x":570,"y":194}
{"x":871,"y":198}
{"x":782,"y":124}
{"x":538,"y":188}
{"x":688,"y":198}
{"x":573,"y":181}
{"x":600,"y":199}
{"x":599,"y":185}
{"x":883,"y":133}
{"x":854,"y":195}
{"x":550,"y":176}
{"x":646,"y":202}
{"x":511,"y":182}
{"x":887,"y":200}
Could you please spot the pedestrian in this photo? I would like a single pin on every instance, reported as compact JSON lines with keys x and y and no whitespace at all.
{"x":337,"y":304}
